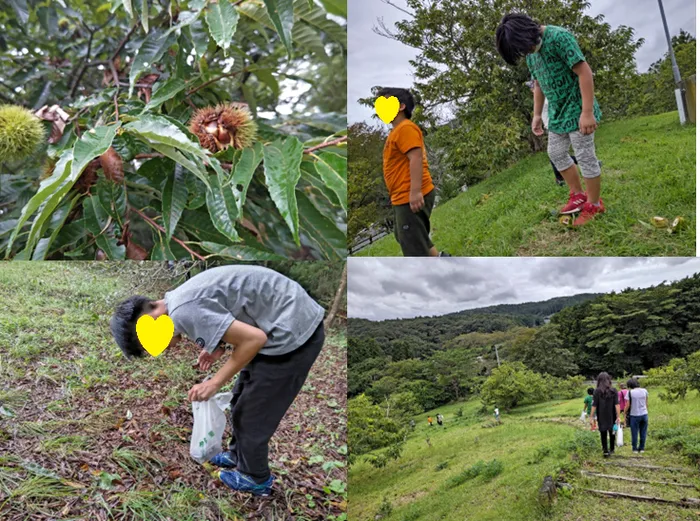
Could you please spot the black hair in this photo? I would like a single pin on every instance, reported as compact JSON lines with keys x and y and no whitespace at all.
{"x":403,"y":95}
{"x":516,"y":35}
{"x":604,"y":384}
{"x":123,"y":324}
{"x":632,"y":383}
{"x":590,"y":390}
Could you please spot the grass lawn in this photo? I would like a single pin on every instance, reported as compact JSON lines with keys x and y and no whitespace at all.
{"x":531,"y":443}
{"x":648,"y":170}
{"x":86,"y":434}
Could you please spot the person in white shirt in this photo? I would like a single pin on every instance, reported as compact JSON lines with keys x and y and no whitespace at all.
{"x":638,"y":407}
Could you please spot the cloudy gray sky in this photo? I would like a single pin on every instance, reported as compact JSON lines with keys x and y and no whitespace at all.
{"x":374,"y":60}
{"x":382,"y":288}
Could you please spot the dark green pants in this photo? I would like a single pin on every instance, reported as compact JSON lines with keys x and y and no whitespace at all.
{"x":412,"y":230}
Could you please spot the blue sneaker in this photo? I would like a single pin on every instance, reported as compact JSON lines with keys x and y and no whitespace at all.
{"x":226,"y":460}
{"x":242,"y":483}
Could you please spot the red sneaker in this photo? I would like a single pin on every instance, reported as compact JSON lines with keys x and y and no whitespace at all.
{"x":588,"y":213}
{"x":575,"y":204}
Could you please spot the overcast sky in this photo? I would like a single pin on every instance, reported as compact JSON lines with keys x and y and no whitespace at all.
{"x":374,"y":60}
{"x":390,"y":287}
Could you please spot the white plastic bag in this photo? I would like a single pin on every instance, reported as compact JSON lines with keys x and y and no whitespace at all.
{"x":209,"y":425}
{"x":583,"y":417}
{"x":618,"y":437}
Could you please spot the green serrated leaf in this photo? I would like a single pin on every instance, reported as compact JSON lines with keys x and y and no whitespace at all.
{"x":336,"y":7}
{"x":223,"y":209}
{"x":58,"y":219}
{"x":331,"y":241}
{"x":281,"y":12}
{"x":128,"y":8}
{"x":240,"y":252}
{"x":333,"y":170}
{"x":199,"y":36}
{"x":48,"y":187}
{"x":150,"y":52}
{"x":222,"y":19}
{"x":248,"y":161}
{"x":112,"y":198}
{"x":282,"y":172}
{"x":144,"y":15}
{"x":163,"y":91}
{"x":97,"y":221}
{"x":92,"y":144}
{"x":174,"y":200}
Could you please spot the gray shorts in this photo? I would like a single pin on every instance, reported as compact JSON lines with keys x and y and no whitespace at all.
{"x":584,"y":150}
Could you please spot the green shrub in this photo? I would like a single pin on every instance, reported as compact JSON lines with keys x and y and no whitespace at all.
{"x":385,"y":509}
{"x":441,"y":466}
{"x":540,"y":454}
{"x":487,"y":471}
{"x":513,"y":384}
{"x":583,"y":443}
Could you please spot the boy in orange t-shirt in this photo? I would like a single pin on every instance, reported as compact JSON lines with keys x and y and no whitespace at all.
{"x":408,"y":180}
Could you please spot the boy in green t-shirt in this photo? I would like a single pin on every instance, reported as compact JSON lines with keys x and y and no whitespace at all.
{"x":588,"y":401}
{"x":562,"y":76}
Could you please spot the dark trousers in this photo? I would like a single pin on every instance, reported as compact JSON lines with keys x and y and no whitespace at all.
{"x":639,"y":426}
{"x":604,"y":440}
{"x":265,"y":389}
{"x":557,"y":174}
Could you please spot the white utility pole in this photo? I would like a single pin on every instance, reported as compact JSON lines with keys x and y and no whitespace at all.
{"x":680,"y":101}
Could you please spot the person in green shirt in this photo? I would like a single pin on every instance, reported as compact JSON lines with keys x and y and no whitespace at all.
{"x":588,"y":401}
{"x":565,"y":79}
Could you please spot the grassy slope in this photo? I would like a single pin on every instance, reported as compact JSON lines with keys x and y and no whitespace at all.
{"x":648,"y":170}
{"x":416,"y":488}
{"x":70,"y":389}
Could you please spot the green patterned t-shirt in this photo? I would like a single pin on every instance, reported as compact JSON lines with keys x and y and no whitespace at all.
{"x":552,"y":67}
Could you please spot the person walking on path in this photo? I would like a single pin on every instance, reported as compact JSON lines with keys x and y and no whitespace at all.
{"x":606,"y":406}
{"x":637,"y":406}
{"x":622,"y":397}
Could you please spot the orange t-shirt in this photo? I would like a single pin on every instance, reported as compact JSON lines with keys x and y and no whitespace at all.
{"x":397,"y":167}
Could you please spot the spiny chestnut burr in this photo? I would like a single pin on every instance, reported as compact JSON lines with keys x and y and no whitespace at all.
{"x":220,"y":127}
{"x":21,"y":132}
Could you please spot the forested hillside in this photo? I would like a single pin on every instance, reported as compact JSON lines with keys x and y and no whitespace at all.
{"x":418,"y":337}
{"x":443,"y":358}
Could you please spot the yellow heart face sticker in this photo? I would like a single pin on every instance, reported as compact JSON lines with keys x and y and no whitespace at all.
{"x":387,"y":108}
{"x":155,"y":335}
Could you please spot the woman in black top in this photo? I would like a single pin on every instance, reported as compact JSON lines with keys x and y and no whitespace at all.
{"x":607,"y":405}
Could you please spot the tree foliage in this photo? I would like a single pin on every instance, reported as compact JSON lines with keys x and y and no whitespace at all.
{"x":369,"y":428}
{"x":122,"y":175}
{"x":677,"y":378}
{"x":513,"y":384}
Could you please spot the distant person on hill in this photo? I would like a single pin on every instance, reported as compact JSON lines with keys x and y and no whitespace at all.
{"x":439,"y":419}
{"x":430,"y":421}
{"x":412,"y":423}
{"x":622,"y":396}
{"x":564,"y":78}
{"x":497,"y":415}
{"x":588,"y":401}
{"x":408,"y":179}
{"x":607,"y":408}
{"x":637,"y":406}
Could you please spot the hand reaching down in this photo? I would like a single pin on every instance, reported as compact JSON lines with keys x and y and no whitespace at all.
{"x":206,"y":359}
